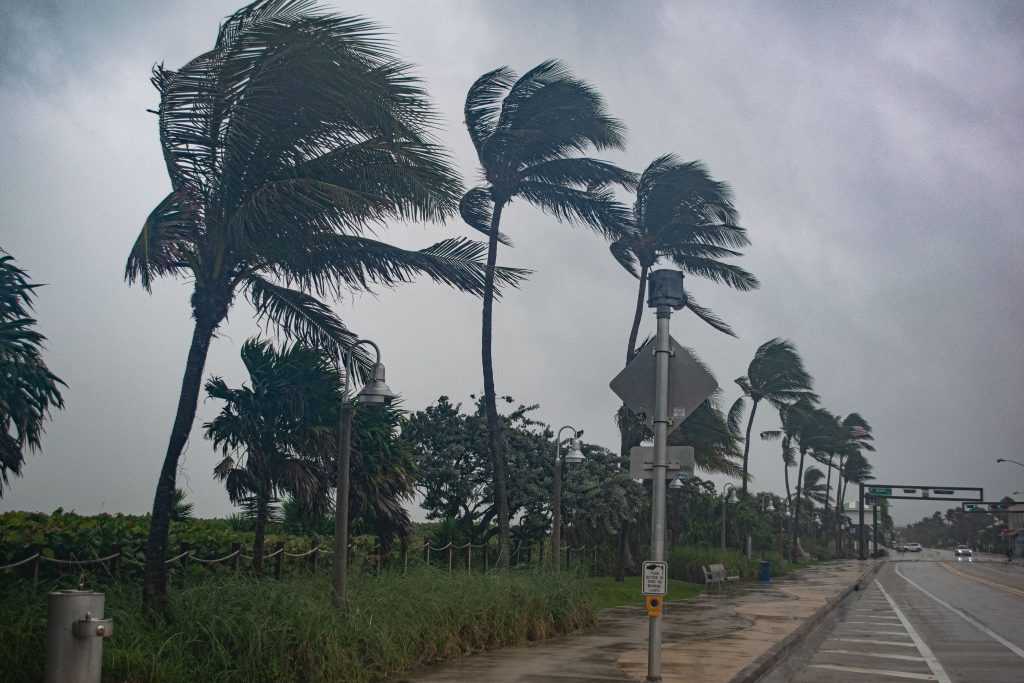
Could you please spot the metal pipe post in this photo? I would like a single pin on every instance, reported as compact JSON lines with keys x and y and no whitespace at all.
{"x":556,"y":522}
{"x":662,"y":352}
{"x":75,"y":629}
{"x":874,"y":521}
{"x":860,"y":490}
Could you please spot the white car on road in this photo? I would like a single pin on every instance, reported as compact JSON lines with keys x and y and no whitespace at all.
{"x":914,"y":547}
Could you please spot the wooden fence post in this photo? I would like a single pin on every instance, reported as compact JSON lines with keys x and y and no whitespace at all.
{"x":426,"y":548}
{"x":314,"y":557}
{"x":449,"y":555}
{"x":487,"y":546}
{"x":115,"y":568}
{"x":185,"y":548}
{"x":469,"y":556}
{"x":33,"y":566}
{"x":279,"y":560}
{"x":236,"y":548}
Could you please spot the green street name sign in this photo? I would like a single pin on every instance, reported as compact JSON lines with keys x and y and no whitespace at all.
{"x":878,"y":491}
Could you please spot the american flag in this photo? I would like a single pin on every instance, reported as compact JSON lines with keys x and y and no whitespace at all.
{"x":859,"y":432}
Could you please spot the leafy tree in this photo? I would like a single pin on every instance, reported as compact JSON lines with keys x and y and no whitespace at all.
{"x":814,"y":487}
{"x":28,"y":390}
{"x":528,"y":133}
{"x":775,"y":374}
{"x":285,"y":144}
{"x":455,"y":468}
{"x":272,"y":434}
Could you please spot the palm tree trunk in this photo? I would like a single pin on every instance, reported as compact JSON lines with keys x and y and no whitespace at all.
{"x":262,"y":506}
{"x":154,"y":578}
{"x":828,"y":486}
{"x":490,"y":397}
{"x":799,"y":503}
{"x":634,"y":331}
{"x":746,"y":447}
{"x":840,"y":494}
{"x":785,"y":469}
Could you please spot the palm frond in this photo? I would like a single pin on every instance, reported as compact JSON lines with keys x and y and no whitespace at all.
{"x":483,"y":104}
{"x":708,"y":316}
{"x":597,"y":209}
{"x":166,"y":243}
{"x":475,"y":209}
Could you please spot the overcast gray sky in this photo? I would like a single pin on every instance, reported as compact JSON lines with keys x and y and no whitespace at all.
{"x":875,"y":150}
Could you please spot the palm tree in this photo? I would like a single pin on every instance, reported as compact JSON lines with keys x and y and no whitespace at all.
{"x":681,"y":214}
{"x":715,"y":445}
{"x":858,"y":438}
{"x":285,"y":143}
{"x":272,"y":433}
{"x":775,"y":374}
{"x":814,"y":488}
{"x":810,"y":428}
{"x":528,"y":133}
{"x":29,"y":390}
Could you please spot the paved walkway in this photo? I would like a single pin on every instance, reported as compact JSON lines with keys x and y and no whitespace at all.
{"x":710,"y":638}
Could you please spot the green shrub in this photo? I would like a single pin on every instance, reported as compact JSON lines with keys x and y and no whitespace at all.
{"x":233,"y":629}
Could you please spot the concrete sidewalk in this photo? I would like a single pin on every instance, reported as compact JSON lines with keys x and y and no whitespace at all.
{"x":712,"y":638}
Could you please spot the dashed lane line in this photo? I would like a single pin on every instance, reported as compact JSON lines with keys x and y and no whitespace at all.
{"x":875,"y":672}
{"x":872,"y":642}
{"x":1013,"y":648}
{"x":908,"y":658}
{"x":978,"y":579}
{"x":926,"y":652}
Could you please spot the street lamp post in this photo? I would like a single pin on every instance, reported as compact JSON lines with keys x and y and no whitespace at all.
{"x":374,"y":392}
{"x":1008,"y":460}
{"x":574,"y":456}
{"x":727,"y":491}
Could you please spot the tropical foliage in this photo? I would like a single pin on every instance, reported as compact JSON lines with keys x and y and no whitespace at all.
{"x":28,"y":390}
{"x":273,"y":434}
{"x":285,"y":143}
{"x":684,"y":216}
{"x":775,"y":374}
{"x":529,"y":133}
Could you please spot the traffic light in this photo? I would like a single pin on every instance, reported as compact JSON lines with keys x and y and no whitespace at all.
{"x":972,"y":507}
{"x":996,"y":507}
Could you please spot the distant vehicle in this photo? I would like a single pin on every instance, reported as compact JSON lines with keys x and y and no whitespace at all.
{"x":963,"y":551}
{"x":914,"y":547}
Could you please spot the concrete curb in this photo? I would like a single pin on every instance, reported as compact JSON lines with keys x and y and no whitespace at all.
{"x":777,"y":652}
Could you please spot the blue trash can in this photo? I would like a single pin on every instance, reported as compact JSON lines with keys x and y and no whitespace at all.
{"x":766,"y":571}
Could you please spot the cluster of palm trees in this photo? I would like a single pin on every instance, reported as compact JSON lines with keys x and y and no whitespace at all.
{"x":299,"y":134}
{"x":777,"y":376}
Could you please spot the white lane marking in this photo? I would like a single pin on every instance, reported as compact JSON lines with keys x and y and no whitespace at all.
{"x":872,"y":642}
{"x":879,"y":633}
{"x":875,"y":672}
{"x":909,"y":658}
{"x":1013,"y":648}
{"x":873,"y":623}
{"x":926,"y":652}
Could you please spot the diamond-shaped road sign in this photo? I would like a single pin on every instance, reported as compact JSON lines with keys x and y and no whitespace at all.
{"x":689,"y":383}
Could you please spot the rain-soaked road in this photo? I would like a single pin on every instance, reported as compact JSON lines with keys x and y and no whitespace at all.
{"x":925,"y":617}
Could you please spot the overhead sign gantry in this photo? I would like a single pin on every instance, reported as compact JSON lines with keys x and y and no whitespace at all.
{"x":870,"y":493}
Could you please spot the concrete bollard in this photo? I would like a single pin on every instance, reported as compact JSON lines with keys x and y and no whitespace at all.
{"x":75,"y":629}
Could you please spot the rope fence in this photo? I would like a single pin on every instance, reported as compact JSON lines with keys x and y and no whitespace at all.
{"x":449,"y":556}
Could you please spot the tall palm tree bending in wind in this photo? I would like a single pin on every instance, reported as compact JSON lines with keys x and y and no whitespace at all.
{"x":285,"y":144}
{"x":529,"y":134}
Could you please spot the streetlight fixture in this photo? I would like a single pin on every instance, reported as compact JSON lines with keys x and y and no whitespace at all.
{"x":727,"y":492}
{"x":573,"y":457}
{"x":1008,"y":460}
{"x":374,"y":392}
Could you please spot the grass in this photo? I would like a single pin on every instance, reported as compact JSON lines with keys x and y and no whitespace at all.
{"x":606,"y":592}
{"x":233,"y":629}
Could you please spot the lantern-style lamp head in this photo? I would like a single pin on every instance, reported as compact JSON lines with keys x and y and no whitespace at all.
{"x":677,"y":483}
{"x":575,"y":455}
{"x":376,"y":391}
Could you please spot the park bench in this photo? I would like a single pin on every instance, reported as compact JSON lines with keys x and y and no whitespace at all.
{"x":716,"y":575}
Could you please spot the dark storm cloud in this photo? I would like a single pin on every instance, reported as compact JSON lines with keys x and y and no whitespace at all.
{"x":874,"y":150}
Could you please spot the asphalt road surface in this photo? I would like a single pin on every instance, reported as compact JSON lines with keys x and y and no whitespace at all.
{"x":925,"y":617}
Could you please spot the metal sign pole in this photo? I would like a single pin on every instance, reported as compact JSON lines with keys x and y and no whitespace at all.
{"x":861,"y":490}
{"x":662,"y":352}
